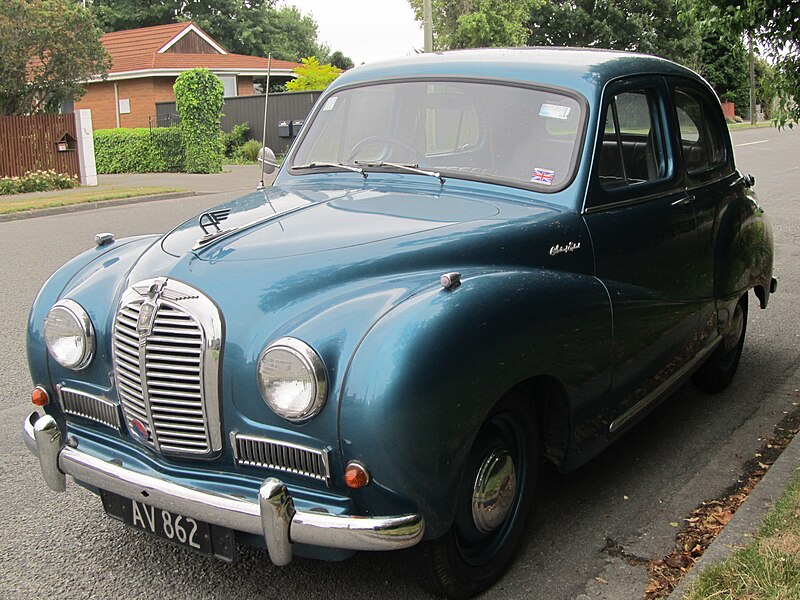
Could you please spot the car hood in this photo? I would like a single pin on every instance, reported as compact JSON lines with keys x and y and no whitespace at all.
{"x":277,"y":223}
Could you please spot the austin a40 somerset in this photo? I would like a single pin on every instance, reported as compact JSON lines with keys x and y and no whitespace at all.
{"x":469,"y":263}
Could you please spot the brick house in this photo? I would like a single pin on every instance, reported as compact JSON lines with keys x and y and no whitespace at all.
{"x":145,"y":63}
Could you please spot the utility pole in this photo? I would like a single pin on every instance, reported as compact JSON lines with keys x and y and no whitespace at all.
{"x":427,"y":24}
{"x":752,"y":80}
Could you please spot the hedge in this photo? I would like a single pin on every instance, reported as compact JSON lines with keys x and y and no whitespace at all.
{"x":139,"y":150}
{"x":198,"y":99}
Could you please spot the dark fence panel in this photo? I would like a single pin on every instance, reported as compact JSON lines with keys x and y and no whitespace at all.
{"x":38,"y":142}
{"x":284,"y":106}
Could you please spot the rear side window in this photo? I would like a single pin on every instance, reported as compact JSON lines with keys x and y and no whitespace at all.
{"x":701,"y":139}
{"x":632,"y":152}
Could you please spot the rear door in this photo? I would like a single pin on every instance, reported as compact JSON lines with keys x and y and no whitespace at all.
{"x":643,"y":228}
{"x":708,"y":170}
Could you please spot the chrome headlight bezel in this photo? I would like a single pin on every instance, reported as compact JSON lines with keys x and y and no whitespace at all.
{"x":312,"y":363}
{"x":81,"y":320}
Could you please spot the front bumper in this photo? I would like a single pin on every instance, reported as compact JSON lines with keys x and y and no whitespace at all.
{"x":273,"y":516}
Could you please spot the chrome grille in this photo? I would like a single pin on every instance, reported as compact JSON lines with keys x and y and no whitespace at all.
{"x":90,"y":407}
{"x":281,"y":456}
{"x":166,"y":372}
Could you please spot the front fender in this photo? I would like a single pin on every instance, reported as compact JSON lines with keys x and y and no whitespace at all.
{"x":426,"y":375}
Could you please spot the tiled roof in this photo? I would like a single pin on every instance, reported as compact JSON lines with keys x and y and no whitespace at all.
{"x":137,"y":50}
{"x":217,"y":61}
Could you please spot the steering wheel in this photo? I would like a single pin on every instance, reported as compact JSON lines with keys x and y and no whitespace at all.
{"x":388,"y":143}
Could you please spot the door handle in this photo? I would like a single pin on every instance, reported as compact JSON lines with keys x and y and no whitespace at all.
{"x":683,"y":201}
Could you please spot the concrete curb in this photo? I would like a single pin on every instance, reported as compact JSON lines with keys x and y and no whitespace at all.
{"x":748,"y":519}
{"x":58,"y":210}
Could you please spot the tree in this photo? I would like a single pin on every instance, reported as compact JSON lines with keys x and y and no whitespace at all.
{"x":723,"y":57}
{"x":48,"y":48}
{"x":477,"y":23}
{"x":340,"y":61}
{"x":775,"y":24}
{"x":289,"y":35}
{"x":665,"y":28}
{"x":253,"y":27}
{"x":312,"y":76}
{"x":117,"y":15}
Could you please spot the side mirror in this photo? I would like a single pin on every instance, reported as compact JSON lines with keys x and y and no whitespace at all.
{"x":267,"y":157}
{"x":749,"y":180}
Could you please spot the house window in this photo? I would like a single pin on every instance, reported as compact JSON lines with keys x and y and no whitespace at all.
{"x":229,"y":85}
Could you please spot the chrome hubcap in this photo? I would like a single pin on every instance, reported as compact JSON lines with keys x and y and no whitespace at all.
{"x":494,"y":490}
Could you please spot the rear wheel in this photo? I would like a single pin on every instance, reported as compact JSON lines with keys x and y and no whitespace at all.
{"x":718,"y":370}
{"x":494,"y":500}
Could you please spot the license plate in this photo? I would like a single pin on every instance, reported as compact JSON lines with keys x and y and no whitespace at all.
{"x":185,"y":531}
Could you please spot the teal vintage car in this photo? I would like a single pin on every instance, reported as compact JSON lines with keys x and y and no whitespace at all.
{"x":469,"y":262}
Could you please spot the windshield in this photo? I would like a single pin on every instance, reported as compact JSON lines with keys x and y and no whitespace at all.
{"x":518,"y":135}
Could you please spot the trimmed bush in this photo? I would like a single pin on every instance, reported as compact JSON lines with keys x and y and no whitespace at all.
{"x":248,"y":151}
{"x":234,"y":139}
{"x":198,"y":98}
{"x":37,"y":181}
{"x":142,"y":150}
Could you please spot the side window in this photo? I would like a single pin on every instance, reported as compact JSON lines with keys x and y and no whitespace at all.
{"x":631,"y":152}
{"x":701,"y":140}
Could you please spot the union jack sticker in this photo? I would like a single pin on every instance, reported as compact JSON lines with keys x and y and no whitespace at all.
{"x":544,"y":176}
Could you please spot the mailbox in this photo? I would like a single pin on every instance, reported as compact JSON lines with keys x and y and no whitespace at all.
{"x":296,"y":126}
{"x":66,"y":143}
{"x":284,"y":129}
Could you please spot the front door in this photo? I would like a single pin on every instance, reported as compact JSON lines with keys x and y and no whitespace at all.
{"x":643,"y":228}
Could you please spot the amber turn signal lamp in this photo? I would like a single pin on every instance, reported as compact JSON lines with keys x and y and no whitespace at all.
{"x":40,"y":397}
{"x":356,"y":475}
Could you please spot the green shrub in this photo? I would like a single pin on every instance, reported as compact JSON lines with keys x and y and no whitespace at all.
{"x":37,"y":181}
{"x":234,"y":139}
{"x":248,"y":151}
{"x":142,"y":150}
{"x":198,"y":98}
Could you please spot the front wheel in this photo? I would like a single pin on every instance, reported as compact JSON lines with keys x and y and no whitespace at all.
{"x":494,"y":500}
{"x":717,"y":372}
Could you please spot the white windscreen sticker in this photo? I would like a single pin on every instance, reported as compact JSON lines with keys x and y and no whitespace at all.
{"x":330,"y":103}
{"x":554,"y":111}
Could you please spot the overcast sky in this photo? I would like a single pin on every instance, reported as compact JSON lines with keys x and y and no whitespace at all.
{"x":364,"y":30}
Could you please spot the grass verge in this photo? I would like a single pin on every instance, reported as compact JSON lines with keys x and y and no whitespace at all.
{"x":9,"y":204}
{"x":747,"y":125}
{"x":768,"y":568}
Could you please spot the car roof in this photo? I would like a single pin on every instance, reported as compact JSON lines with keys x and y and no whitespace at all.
{"x":583,"y":69}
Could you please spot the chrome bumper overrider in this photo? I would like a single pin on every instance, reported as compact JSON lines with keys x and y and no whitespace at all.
{"x":273,"y":516}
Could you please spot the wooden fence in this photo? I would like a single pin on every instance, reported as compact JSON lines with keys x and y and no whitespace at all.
{"x":38,"y":142}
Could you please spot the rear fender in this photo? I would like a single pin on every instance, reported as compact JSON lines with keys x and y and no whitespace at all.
{"x":745,"y":250}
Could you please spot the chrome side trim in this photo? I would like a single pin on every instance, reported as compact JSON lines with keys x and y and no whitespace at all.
{"x":637,"y":408}
{"x":273,"y":515}
{"x":81,"y":404}
{"x":266,"y":453}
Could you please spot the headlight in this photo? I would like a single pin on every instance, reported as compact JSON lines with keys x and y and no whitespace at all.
{"x":291,"y":377}
{"x":69,"y":335}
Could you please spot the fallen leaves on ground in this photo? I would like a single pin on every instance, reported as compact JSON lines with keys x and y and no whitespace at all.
{"x":708,"y":520}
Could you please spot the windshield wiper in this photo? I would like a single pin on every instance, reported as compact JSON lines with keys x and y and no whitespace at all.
{"x":409,"y":168}
{"x":314,"y":165}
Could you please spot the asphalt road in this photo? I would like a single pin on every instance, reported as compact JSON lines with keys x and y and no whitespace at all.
{"x":689,"y":450}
